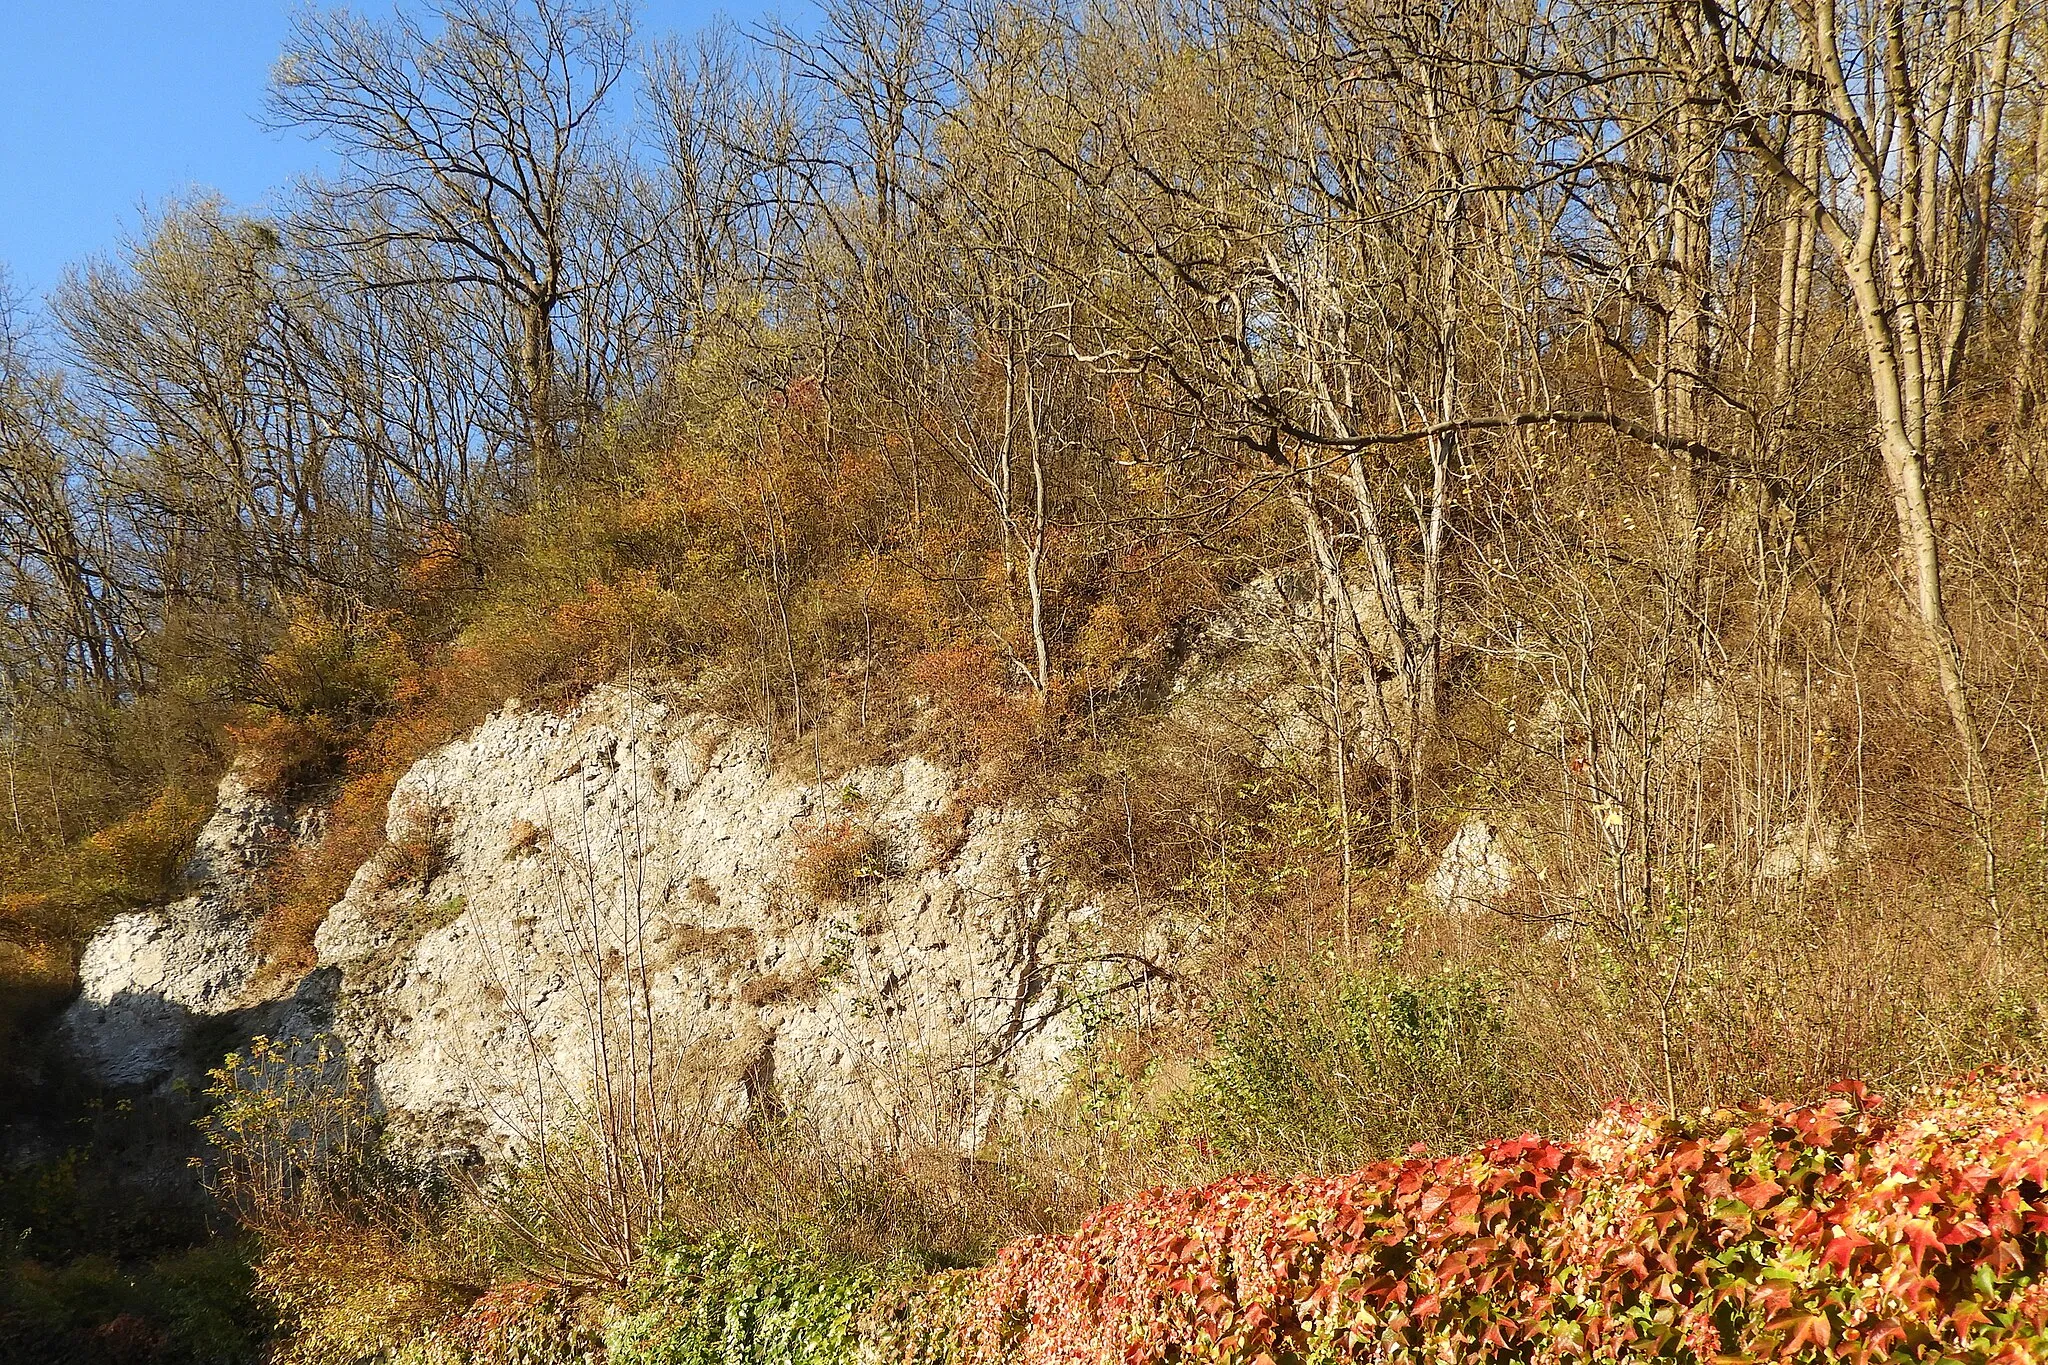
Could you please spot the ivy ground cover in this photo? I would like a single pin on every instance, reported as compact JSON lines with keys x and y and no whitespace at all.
{"x":1844,"y":1230}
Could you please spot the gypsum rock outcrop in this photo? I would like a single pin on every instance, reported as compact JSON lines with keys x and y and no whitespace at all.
{"x":562,"y":889}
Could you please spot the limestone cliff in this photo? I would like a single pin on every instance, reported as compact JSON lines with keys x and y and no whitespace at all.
{"x":629,"y":884}
{"x":159,"y":986}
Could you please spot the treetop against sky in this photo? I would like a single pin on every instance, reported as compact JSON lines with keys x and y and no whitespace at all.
{"x":110,"y":107}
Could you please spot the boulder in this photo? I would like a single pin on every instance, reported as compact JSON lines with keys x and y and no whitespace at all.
{"x":1475,"y":870}
{"x":1801,"y":850}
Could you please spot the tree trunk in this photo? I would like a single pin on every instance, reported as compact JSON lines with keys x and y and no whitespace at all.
{"x":2025,"y":381}
{"x":537,"y":372}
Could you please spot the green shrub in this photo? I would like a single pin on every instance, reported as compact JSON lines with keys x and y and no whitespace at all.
{"x":923,"y":1321}
{"x":205,"y":1302}
{"x":194,"y":1307}
{"x":1314,"y":1068}
{"x":292,"y":1128}
{"x":327,"y":667}
{"x":724,"y":1301}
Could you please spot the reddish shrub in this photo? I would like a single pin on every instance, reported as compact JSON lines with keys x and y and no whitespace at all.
{"x":835,"y":859}
{"x":276,"y":754}
{"x":1824,"y":1232}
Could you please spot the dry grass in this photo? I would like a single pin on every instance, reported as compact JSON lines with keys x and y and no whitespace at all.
{"x":524,"y":839}
{"x":417,"y":850}
{"x":838,"y":857}
{"x":780,"y":988}
{"x":279,"y":755}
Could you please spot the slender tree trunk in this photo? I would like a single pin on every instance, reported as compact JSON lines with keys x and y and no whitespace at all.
{"x":1688,"y":309}
{"x":1982,"y":186}
{"x":2025,"y":380}
{"x":537,"y":373}
{"x":1890,"y":314}
{"x":1034,"y":548}
{"x":1380,"y":734}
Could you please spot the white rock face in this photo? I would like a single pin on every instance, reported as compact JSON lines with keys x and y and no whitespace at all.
{"x":1474,"y":871}
{"x":626,"y":890}
{"x":247,"y":829}
{"x":569,"y":894}
{"x":149,"y":976}
{"x":1802,"y":849}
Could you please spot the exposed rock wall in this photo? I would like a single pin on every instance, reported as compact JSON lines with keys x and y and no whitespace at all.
{"x":865,"y":951}
{"x":626,"y":886}
{"x":151,"y":979}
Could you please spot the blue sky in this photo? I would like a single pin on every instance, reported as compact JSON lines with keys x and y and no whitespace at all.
{"x":107,"y":106}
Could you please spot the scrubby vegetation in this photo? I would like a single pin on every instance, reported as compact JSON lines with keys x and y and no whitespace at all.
{"x":1846,"y":1229}
{"x":91,"y":1274}
{"x":1501,"y":546}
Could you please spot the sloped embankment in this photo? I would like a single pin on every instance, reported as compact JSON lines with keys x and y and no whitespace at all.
{"x":1838,"y":1231}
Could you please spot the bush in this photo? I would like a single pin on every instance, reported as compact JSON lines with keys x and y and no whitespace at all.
{"x":836,"y":859}
{"x":195,"y":1307}
{"x":341,"y":670}
{"x":416,"y":856}
{"x":206,"y":1301}
{"x":293,"y":1130}
{"x":278,"y":754}
{"x":1774,"y":1232}
{"x":1314,"y":1068}
{"x":36,"y":980}
{"x":521,"y":1323}
{"x":50,"y":907}
{"x":348,"y":1289}
{"x":730,"y":1302}
{"x":134,"y":861}
{"x":359,"y":1258}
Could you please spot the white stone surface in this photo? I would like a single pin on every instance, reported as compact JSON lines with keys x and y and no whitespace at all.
{"x":1802,"y":849}
{"x":1474,"y":871}
{"x":148,"y":975}
{"x":247,"y":829}
{"x":593,"y":871}
{"x":625,"y":860}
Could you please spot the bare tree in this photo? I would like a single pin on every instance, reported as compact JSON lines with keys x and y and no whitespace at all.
{"x":61,"y":625}
{"x":1895,"y":92}
{"x":478,"y":148}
